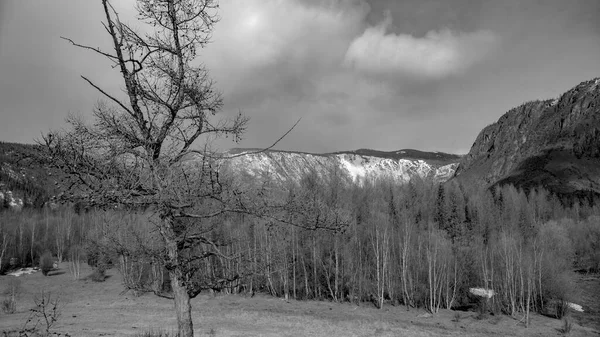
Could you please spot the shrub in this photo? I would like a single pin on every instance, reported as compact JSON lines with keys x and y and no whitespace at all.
{"x":98,"y":255}
{"x":483,"y":309}
{"x":98,"y":275}
{"x":101,"y":262}
{"x":9,"y":305}
{"x":46,"y":263}
{"x":562,"y":309}
{"x":47,"y":310}
{"x":76,"y":255}
{"x":42,"y":317}
{"x":12,"y":291}
{"x":567,"y":326}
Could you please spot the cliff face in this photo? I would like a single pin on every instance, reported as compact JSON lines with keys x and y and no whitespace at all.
{"x":552,"y":143}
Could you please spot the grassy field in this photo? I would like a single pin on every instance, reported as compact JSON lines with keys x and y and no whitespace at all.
{"x":101,"y":309}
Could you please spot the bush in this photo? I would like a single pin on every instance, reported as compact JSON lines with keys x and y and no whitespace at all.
{"x":98,"y":275}
{"x":97,"y":255}
{"x":76,"y":255}
{"x":12,"y":292}
{"x":9,"y":305}
{"x":42,"y":317}
{"x":562,"y":309}
{"x":567,"y":326}
{"x":46,"y":263}
{"x":100,"y":260}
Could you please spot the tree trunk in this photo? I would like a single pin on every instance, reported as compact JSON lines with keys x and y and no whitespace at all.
{"x":315,"y":266}
{"x":183,"y":308}
{"x":32,"y":242}
{"x":22,"y":252}
{"x":3,"y":247}
{"x":46,"y":215}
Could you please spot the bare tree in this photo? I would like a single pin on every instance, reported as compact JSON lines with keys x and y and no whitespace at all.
{"x":75,"y":257}
{"x":4,"y":240}
{"x":63,"y":232}
{"x":137,"y":151}
{"x":32,"y":246}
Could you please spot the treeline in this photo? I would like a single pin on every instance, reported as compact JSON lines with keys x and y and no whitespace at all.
{"x":26,"y":235}
{"x":426,"y":245}
{"x":417,"y":244}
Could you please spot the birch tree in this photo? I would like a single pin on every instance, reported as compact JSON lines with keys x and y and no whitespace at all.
{"x":4,"y":241}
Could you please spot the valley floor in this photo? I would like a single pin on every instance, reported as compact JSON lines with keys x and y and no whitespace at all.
{"x":100,"y":309}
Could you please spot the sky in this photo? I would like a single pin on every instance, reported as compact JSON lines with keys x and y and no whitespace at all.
{"x":378,"y":74}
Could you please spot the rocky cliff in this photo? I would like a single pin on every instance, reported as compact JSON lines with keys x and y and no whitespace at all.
{"x":553,"y":143}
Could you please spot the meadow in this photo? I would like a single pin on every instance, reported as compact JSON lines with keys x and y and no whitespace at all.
{"x":89,"y":308}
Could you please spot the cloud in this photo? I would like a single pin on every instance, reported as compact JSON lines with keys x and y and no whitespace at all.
{"x":266,"y":50}
{"x":259,"y":33}
{"x":436,"y":55}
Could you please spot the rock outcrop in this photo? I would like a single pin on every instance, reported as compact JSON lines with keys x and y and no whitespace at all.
{"x":551,"y":143}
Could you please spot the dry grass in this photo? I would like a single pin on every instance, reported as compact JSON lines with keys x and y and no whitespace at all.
{"x":98,"y":309}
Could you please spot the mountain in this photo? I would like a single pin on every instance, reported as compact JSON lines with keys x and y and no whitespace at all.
{"x":553,"y":143}
{"x":27,"y":179}
{"x":401,"y":165}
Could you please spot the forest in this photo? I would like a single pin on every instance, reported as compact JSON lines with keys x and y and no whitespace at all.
{"x":418,"y":244}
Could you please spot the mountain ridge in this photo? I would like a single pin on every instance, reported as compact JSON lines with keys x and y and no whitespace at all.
{"x":24,"y":170}
{"x":291,"y":165}
{"x":434,"y":156}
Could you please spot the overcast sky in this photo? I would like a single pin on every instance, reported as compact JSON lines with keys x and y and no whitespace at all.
{"x":380,"y":74}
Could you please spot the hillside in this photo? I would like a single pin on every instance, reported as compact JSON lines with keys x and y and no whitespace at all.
{"x":553,"y":143}
{"x":24,"y":175}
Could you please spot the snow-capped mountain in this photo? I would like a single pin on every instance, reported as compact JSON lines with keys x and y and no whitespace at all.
{"x":359,"y":165}
{"x":27,"y":180}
